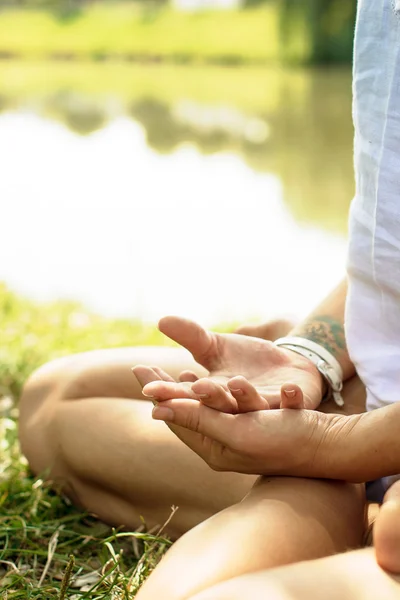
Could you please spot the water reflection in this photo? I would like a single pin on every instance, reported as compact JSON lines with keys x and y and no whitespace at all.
{"x":79,"y":113}
{"x":294,"y":124}
{"x":107,"y":220}
{"x":219,"y":194}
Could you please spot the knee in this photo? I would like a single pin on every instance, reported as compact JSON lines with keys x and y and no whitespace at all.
{"x":40,"y":394}
{"x":47,"y":382}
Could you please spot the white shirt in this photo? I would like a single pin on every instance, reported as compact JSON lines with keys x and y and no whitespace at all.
{"x":373,"y":303}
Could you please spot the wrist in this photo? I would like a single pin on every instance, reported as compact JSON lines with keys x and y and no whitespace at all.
{"x":298,"y":361}
{"x":314,"y":457}
{"x":340,"y":448}
{"x":328,"y":332}
{"x":328,"y":368}
{"x":367,"y":445}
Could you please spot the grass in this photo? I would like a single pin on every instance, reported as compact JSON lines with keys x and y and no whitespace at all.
{"x":49,"y":549}
{"x":130,"y":31}
{"x":34,"y":333}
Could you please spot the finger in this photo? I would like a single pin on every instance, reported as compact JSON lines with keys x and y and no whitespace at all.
{"x":291,"y":396}
{"x":145,"y":374}
{"x":246,"y":395}
{"x":188,"y":376}
{"x":191,"y":336}
{"x":165,"y":390}
{"x":164,"y":376}
{"x":197,"y":417}
{"x":214,"y":395}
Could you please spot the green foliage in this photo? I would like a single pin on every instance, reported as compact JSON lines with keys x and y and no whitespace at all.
{"x":268,"y":30}
{"x":328,"y":25}
{"x":34,"y":333}
{"x":49,"y":549}
{"x":316,"y":31}
{"x":250,"y":3}
{"x":141,"y":32}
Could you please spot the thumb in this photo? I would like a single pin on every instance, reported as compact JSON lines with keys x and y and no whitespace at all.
{"x":197,"y":417}
{"x":191,"y":336}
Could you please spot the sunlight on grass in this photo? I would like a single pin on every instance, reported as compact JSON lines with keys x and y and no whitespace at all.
{"x":50,"y":550}
{"x":39,"y":530}
{"x":34,"y":333}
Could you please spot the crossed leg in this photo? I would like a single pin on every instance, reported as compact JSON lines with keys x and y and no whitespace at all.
{"x":84,"y":418}
{"x":355,"y":575}
{"x":281,"y":521}
{"x":84,"y":421}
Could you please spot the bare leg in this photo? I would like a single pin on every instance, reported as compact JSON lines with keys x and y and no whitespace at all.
{"x":349,"y":576}
{"x":79,"y":419}
{"x":84,"y":417}
{"x":387,"y":531}
{"x":282,"y":520}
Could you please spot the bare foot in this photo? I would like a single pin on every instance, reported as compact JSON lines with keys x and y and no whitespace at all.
{"x":387,"y":531}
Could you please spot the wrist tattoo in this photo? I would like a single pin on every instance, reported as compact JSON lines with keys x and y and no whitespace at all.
{"x":326,"y":331}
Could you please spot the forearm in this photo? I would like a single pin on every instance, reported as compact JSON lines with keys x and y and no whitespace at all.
{"x":361,"y":447}
{"x":325,"y":326}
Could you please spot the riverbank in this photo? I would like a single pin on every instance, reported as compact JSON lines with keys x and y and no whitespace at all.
{"x":253,"y":89}
{"x":132,"y":32}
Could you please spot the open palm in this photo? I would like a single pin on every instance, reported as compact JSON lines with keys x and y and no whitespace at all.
{"x":245,"y":373}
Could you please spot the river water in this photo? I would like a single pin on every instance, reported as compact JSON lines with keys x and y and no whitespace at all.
{"x":218,"y":195}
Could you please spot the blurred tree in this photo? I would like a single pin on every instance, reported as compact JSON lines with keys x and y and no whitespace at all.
{"x":328,"y":26}
{"x":250,"y":3}
{"x":65,"y":5}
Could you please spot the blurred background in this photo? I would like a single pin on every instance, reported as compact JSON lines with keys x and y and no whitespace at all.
{"x":191,"y":157}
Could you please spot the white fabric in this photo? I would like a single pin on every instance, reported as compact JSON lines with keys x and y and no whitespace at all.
{"x":373,"y":308}
{"x":373,"y":303}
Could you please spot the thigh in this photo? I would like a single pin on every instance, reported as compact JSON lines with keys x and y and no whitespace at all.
{"x":282,"y":520}
{"x":85,"y":422}
{"x":349,"y":576}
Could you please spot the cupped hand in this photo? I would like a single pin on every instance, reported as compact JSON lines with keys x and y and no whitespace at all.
{"x":266,"y":442}
{"x":245,"y":373}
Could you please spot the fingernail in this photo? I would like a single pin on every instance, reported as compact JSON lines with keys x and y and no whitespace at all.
{"x":237,"y":391}
{"x":289,"y":393}
{"x":203,"y":396}
{"x":148,"y":395}
{"x":162,"y":413}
